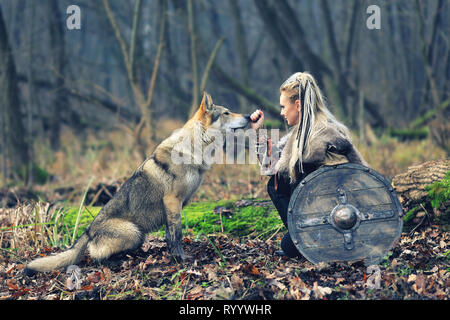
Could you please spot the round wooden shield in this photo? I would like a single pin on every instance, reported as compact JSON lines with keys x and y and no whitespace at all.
{"x":346,"y":212}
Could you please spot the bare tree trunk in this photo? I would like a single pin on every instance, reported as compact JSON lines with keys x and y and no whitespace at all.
{"x":134,"y":35}
{"x":331,"y":35}
{"x":31,"y":92}
{"x":242,"y":50}
{"x":193,"y":44}
{"x":338,"y":76}
{"x":350,"y":70}
{"x":427,"y":50}
{"x":14,"y":139}
{"x":351,"y":33}
{"x":440,"y":128}
{"x":57,"y":44}
{"x":3,"y":149}
{"x":179,"y":98}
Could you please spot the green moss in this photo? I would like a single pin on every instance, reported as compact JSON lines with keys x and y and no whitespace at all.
{"x":439,"y":192}
{"x":69,"y":217}
{"x":198,"y":217}
{"x":40,"y":175}
{"x":410,"y":214}
{"x":255,"y":220}
{"x":409,"y":134}
{"x":439,"y":196}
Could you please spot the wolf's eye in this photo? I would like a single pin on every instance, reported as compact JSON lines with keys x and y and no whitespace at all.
{"x":226,"y":113}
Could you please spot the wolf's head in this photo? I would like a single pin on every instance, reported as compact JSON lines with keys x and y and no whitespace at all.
{"x":219,"y":117}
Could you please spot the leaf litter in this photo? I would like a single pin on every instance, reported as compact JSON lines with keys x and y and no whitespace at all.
{"x":225,"y":267}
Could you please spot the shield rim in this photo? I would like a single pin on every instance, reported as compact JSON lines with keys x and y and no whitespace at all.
{"x":325,"y":168}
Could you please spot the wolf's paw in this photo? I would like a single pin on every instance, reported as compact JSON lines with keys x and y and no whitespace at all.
{"x":180,"y":256}
{"x":183,"y":258}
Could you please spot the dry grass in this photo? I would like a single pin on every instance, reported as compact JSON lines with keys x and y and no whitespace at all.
{"x":391,"y":157}
{"x":110,"y":155}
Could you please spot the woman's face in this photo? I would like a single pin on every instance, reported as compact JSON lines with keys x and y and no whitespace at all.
{"x":289,"y":110}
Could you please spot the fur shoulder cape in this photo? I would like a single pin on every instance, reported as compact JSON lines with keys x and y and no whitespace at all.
{"x":329,"y":147}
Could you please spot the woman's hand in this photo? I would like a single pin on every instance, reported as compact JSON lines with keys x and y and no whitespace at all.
{"x":257,"y":119}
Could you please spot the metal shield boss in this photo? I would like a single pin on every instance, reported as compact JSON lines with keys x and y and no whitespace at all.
{"x":346,"y":212}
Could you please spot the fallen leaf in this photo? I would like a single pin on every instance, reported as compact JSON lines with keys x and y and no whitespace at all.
{"x":237,"y":282}
{"x":276,"y":283}
{"x":320,"y":292}
{"x":21,"y":292}
{"x":339,"y":280}
{"x":251,"y":269}
{"x":435,"y":269}
{"x":419,"y":285}
{"x":87,"y":288}
{"x":12,"y":286}
{"x":412,"y":278}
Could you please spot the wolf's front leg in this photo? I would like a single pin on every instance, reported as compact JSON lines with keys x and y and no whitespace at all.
{"x":174,"y":232}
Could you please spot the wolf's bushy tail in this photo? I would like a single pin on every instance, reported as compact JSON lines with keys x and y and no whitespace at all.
{"x":63,"y":259}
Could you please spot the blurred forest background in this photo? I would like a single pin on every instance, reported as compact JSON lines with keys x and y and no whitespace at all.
{"x":94,"y":101}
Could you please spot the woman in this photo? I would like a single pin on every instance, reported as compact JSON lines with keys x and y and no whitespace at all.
{"x":315,"y":138}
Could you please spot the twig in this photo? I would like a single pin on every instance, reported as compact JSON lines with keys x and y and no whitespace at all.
{"x":279,"y":228}
{"x":426,"y":214}
{"x":94,"y":199}
{"x":221,"y":224}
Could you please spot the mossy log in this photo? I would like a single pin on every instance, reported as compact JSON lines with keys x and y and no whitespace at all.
{"x":413,"y":188}
{"x":410,"y":186}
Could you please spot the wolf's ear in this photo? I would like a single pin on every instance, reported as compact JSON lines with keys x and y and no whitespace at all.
{"x":207,"y":103}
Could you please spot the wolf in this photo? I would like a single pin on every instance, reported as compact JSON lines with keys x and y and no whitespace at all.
{"x":152,"y":197}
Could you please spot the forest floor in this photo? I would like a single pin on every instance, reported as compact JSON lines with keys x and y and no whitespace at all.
{"x":223,"y":263}
{"x":224,"y":267}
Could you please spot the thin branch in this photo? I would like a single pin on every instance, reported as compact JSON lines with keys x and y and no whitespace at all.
{"x":351,"y":33}
{"x":123,"y":45}
{"x":134,"y":32}
{"x":193,"y":37}
{"x":331,"y":35}
{"x":158,"y":57}
{"x":211,"y":59}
